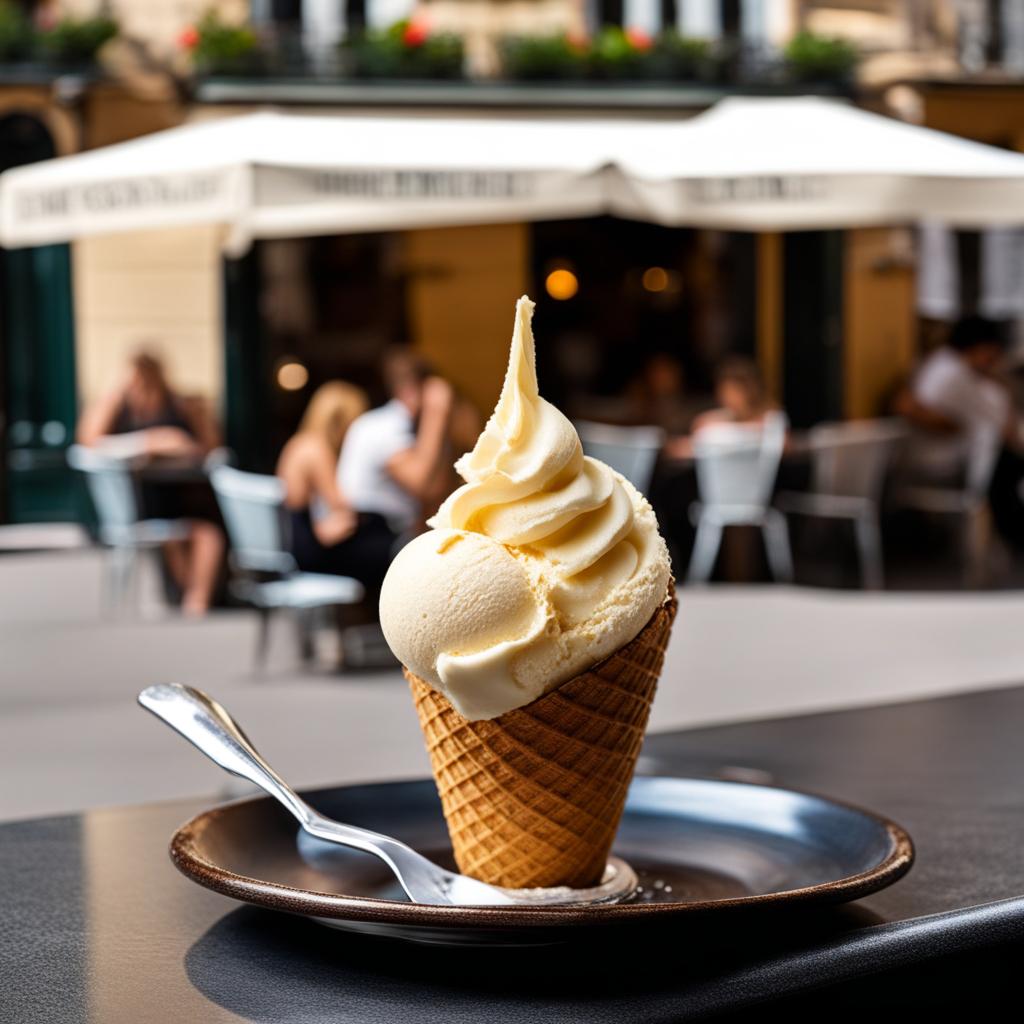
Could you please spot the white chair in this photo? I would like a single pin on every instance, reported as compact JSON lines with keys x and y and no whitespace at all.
{"x":631,"y":451}
{"x":849,"y":463}
{"x":111,"y":486}
{"x":736,"y":469}
{"x":968,"y":502}
{"x":253,"y":511}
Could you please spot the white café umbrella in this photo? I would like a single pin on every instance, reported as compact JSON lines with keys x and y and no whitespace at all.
{"x":807,"y":162}
{"x":747,"y":164}
{"x":268,"y":175}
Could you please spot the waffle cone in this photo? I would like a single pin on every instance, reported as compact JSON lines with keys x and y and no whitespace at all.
{"x":534,"y":796}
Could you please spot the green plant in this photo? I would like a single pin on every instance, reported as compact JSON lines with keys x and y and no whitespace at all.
{"x":619,"y":53}
{"x":811,"y":57}
{"x":679,"y":57}
{"x":15,"y":32}
{"x":543,"y":58}
{"x":221,"y":47}
{"x":77,"y":40}
{"x":613,"y":53}
{"x":406,"y":49}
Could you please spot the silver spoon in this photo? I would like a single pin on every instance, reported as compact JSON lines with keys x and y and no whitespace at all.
{"x":202,"y":721}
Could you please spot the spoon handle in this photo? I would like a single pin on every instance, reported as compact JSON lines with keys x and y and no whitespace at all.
{"x":203,"y":722}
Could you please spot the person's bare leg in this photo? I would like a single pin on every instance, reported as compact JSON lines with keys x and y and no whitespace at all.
{"x":176,"y":555}
{"x":206,"y":554}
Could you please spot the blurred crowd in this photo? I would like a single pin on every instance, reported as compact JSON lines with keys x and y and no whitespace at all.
{"x":357,"y":481}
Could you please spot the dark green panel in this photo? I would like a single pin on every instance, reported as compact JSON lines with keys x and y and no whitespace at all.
{"x":37,"y":358}
{"x":40,"y":401}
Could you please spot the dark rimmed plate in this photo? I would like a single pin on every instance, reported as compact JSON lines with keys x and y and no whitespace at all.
{"x":700,"y":847}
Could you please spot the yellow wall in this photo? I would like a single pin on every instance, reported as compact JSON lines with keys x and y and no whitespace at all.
{"x":162,"y":288}
{"x":465,"y":282}
{"x":113,"y":112}
{"x":769,"y":311}
{"x":879,"y":317}
{"x":993,"y":114}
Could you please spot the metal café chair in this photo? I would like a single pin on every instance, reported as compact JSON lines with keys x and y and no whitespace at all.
{"x":111,"y":486}
{"x":736,"y":469}
{"x":967,"y":502}
{"x":269,"y":580}
{"x":631,"y":451}
{"x":848,"y":467}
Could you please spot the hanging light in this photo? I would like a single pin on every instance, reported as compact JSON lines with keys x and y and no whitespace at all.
{"x":655,"y":279}
{"x":561,"y":284}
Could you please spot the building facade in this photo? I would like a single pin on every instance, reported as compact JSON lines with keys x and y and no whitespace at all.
{"x":832,"y":316}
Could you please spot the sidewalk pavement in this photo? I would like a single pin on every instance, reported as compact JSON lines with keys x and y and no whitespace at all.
{"x":71,"y":735}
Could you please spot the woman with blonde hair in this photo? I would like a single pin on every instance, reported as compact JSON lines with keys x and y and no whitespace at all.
{"x":322,"y":521}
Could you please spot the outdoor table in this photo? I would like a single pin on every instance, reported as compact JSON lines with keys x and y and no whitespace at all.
{"x":98,"y":926}
{"x":172,"y":470}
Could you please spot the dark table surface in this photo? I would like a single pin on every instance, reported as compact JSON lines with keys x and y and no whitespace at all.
{"x":96,"y":925}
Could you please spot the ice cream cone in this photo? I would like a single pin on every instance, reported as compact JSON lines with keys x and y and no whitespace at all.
{"x":533,"y":797}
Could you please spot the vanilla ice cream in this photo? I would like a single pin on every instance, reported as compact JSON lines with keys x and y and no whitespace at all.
{"x":542,"y":564}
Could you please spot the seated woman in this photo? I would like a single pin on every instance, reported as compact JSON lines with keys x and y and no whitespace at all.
{"x":323,"y":523}
{"x":144,"y":416}
{"x":742,"y":398}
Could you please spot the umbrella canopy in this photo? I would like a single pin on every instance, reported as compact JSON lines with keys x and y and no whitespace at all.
{"x":806,"y":162}
{"x":268,"y":175}
{"x":749,"y":164}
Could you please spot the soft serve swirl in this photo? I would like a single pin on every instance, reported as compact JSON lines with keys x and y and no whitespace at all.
{"x":544,"y":562}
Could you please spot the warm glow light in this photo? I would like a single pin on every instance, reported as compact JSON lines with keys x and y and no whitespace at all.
{"x":655,"y":279}
{"x":292,"y":376}
{"x":561,"y":284}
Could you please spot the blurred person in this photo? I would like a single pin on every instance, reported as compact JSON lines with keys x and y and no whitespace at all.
{"x":143,"y":411}
{"x":742,"y":398}
{"x":322,"y":521}
{"x":660,"y":396}
{"x":956,"y":387}
{"x":741,"y":395}
{"x":464,"y":429}
{"x":144,"y":416}
{"x":393,"y":468}
{"x":956,"y":390}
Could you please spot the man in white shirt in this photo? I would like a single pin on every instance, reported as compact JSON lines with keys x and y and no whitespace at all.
{"x":393,"y":457}
{"x":959,"y":405}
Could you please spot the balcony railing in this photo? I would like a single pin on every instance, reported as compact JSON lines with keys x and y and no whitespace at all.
{"x":612,"y":57}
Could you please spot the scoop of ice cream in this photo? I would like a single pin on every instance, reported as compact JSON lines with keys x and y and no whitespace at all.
{"x":471,"y":610}
{"x":543,"y":563}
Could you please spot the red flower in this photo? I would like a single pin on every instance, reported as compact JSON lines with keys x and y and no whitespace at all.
{"x":189,"y":38}
{"x":578,"y":42}
{"x":639,"y":39}
{"x":415,"y":34}
{"x":46,"y":18}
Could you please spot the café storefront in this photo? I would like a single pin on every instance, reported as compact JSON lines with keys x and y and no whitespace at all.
{"x":289,"y":239}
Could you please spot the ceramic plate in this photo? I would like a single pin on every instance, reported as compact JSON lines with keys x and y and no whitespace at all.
{"x":700,"y":847}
